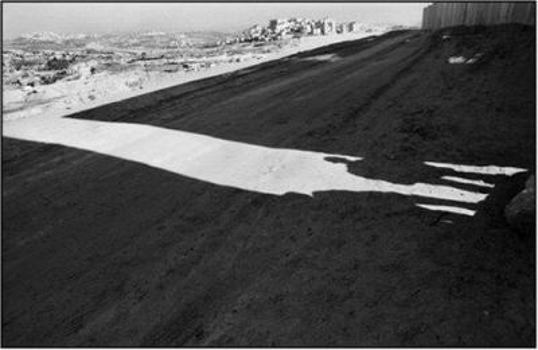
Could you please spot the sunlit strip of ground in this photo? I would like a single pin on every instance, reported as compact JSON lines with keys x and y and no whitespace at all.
{"x":240,"y":165}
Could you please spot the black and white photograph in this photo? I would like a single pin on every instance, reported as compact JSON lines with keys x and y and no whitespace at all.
{"x":268,"y":174}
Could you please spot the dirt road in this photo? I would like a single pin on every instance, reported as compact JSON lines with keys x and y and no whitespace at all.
{"x":102,"y":249}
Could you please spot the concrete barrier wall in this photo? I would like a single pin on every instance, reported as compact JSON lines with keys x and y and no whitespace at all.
{"x":448,"y":14}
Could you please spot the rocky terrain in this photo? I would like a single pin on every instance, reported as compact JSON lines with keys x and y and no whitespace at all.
{"x":123,"y":225}
{"x":48,"y":73}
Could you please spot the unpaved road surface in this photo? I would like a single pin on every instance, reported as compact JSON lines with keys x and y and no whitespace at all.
{"x":102,"y":249}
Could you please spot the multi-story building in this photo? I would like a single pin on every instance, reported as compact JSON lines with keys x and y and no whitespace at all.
{"x":282,"y":28}
{"x":278,"y":25}
{"x":328,"y":26}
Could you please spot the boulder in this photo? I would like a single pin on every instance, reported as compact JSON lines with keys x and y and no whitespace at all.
{"x":521,"y":211}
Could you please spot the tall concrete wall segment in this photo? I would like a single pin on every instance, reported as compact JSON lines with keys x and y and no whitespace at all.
{"x":440,"y":15}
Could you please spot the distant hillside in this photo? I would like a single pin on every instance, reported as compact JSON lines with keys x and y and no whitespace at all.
{"x":54,"y":41}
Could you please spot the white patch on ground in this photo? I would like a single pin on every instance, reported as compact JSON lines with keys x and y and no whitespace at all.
{"x":456,"y":60}
{"x":468,"y":181}
{"x":461,"y":59}
{"x":447,"y":208}
{"x":228,"y":163}
{"x":486,"y":170}
{"x":328,"y":57}
{"x":474,"y":58}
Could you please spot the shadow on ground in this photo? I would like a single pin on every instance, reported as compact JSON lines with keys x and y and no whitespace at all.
{"x":99,"y":251}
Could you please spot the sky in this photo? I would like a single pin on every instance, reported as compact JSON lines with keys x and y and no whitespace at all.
{"x":22,"y":18}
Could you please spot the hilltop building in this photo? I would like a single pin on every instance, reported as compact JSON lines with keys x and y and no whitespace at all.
{"x":295,"y":27}
{"x":328,"y":26}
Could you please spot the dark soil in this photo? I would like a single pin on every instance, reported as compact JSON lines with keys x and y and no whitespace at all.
{"x":98,"y":251}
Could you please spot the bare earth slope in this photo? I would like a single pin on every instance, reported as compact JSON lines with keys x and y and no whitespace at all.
{"x":100,"y":251}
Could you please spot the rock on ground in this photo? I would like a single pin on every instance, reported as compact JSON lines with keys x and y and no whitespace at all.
{"x":521,"y":211}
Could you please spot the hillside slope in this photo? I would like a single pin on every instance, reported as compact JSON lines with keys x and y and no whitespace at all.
{"x":100,"y":251}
